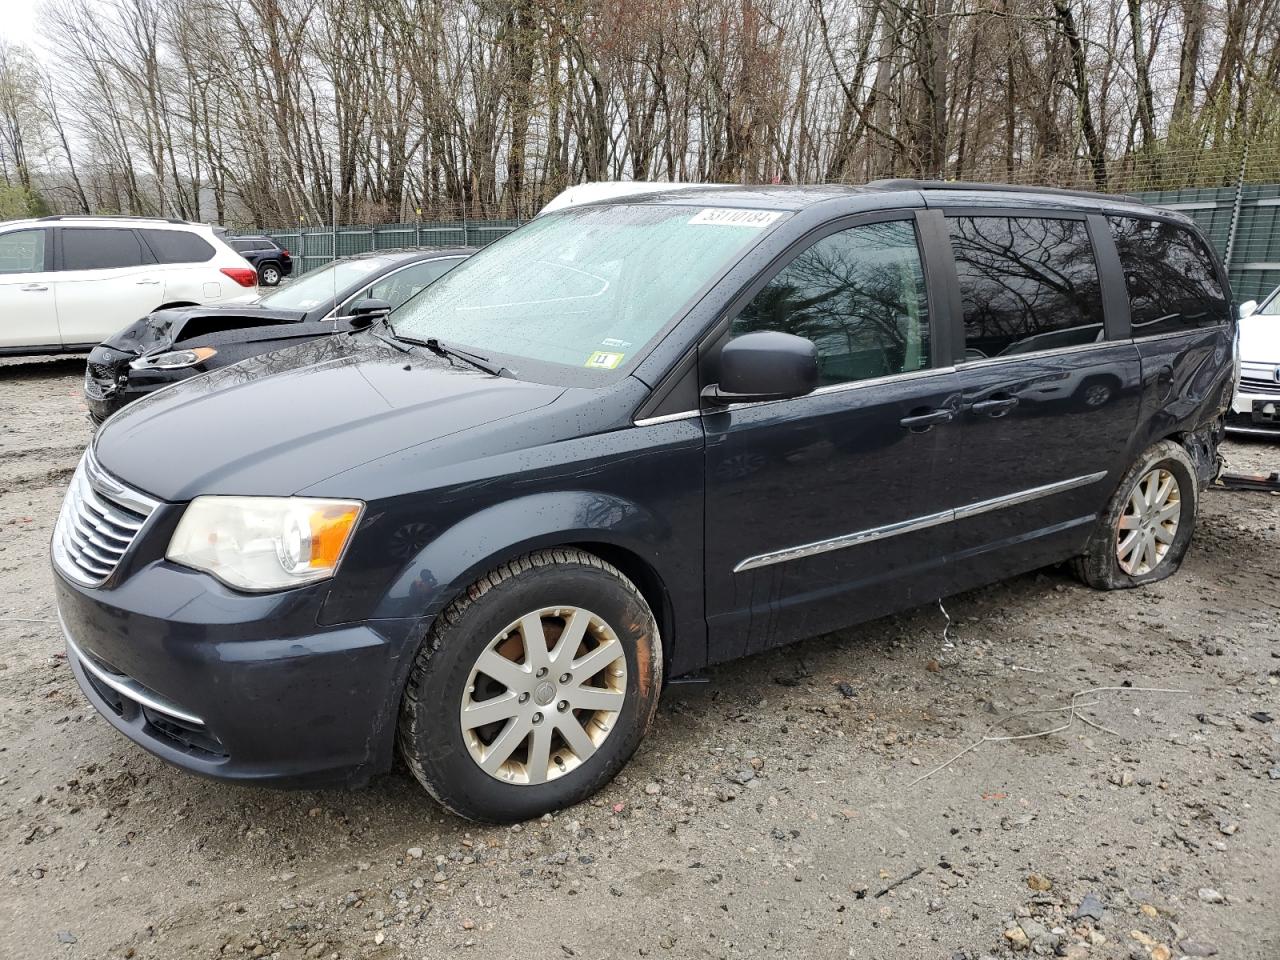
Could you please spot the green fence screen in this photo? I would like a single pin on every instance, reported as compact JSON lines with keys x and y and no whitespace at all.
{"x":1243,"y":223}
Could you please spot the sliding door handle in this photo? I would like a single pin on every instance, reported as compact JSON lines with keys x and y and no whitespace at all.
{"x":920,"y":422}
{"x":996,"y":408}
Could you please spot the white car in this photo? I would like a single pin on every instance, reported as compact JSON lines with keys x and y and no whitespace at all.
{"x":67,"y":283}
{"x":1256,"y":406}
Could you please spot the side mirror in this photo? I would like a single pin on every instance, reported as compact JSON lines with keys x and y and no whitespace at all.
{"x":364,"y":312}
{"x":1248,"y":309}
{"x":764,"y":366}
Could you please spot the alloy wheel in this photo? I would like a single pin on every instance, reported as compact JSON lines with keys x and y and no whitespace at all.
{"x":1149,"y":523}
{"x":270,"y":276}
{"x":544,"y":695}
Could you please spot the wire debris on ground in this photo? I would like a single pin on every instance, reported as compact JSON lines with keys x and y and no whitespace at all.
{"x":1072,"y":709}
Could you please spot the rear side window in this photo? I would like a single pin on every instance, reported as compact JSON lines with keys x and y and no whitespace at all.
{"x":177,"y":246}
{"x":1170,"y":276}
{"x":242,"y":246}
{"x":859,"y":295}
{"x":101,"y":248}
{"x":22,"y":251}
{"x":1028,"y":284}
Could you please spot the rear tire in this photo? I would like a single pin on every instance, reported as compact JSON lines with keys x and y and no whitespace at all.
{"x":269,"y":275}
{"x":501,"y":731}
{"x":1147,"y":527}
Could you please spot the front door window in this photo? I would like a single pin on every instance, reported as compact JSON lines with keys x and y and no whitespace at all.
{"x":859,"y":295}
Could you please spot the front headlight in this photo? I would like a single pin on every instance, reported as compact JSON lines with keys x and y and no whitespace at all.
{"x":174,"y":359}
{"x":264,"y":543}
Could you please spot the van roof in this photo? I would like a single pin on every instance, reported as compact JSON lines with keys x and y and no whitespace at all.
{"x":792,"y":198}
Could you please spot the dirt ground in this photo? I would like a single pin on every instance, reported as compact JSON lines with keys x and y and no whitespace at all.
{"x":777,"y":810}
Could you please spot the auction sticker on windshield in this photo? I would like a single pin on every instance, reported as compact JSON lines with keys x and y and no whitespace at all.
{"x":603,"y":361}
{"x":729,"y":217}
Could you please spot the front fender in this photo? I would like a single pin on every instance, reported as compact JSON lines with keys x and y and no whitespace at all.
{"x":478,"y":543}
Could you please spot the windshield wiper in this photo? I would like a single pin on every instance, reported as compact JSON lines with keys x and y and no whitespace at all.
{"x":442,"y":350}
{"x":393,"y":340}
{"x":477,"y":361}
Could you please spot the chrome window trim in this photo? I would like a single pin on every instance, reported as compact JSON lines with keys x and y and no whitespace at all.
{"x":916,"y":523}
{"x":1038,"y":354}
{"x":335,"y":313}
{"x":820,"y":391}
{"x":843,"y":387}
{"x":1148,"y":338}
{"x":125,"y":686}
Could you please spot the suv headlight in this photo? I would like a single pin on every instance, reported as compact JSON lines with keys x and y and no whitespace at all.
{"x":264,"y":543}
{"x":174,"y":359}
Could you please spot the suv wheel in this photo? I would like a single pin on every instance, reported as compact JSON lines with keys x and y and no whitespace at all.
{"x":269,"y":274}
{"x":533,"y":688}
{"x":1146,"y":529}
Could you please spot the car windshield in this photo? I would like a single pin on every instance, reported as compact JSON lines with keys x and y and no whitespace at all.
{"x":585,"y":289}
{"x":1271,"y":306}
{"x":317,"y":286}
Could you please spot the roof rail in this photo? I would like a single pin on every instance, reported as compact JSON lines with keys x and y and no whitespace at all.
{"x":109,"y":216}
{"x":906,"y":183}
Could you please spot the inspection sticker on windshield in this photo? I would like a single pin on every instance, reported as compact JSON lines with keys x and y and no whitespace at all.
{"x":728,"y":217}
{"x":604,"y":361}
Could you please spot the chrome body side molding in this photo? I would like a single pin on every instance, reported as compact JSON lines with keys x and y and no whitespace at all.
{"x":916,"y":523}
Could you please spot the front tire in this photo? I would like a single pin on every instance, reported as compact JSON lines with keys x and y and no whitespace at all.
{"x":533,"y":688}
{"x":1147,"y":527}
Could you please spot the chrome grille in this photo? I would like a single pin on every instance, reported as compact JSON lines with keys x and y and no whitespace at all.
{"x":99,"y":520}
{"x":1258,"y":385}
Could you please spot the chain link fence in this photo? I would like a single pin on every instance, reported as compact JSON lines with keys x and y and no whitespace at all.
{"x":1233,"y":195}
{"x":313,"y":247}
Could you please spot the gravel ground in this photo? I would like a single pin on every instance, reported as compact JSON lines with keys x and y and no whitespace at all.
{"x":777,"y":810}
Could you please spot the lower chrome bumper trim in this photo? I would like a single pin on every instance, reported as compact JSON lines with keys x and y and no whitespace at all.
{"x":125,"y":686}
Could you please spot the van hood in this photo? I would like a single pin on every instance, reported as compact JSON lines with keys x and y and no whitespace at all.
{"x":1260,"y":338}
{"x":274,"y":424}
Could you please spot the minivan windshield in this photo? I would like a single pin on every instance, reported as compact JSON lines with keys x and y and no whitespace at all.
{"x":316,"y":286}
{"x":585,"y":289}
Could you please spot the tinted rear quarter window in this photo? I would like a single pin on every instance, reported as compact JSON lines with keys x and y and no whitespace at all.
{"x":101,"y":248}
{"x":1172,"y":282}
{"x":1027,"y":283}
{"x":177,"y":246}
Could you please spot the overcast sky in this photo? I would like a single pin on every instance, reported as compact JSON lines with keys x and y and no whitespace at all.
{"x":17,"y":21}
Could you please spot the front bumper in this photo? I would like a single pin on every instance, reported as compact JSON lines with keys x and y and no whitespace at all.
{"x":111,"y":383}
{"x":1255,"y":413}
{"x":238,"y":687}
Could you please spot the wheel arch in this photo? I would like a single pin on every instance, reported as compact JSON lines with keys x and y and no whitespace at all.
{"x":647,"y":580}
{"x":619,"y":531}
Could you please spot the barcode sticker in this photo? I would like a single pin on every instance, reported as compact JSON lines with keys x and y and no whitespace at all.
{"x":729,"y":217}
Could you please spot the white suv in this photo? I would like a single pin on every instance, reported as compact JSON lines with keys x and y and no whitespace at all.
{"x":67,"y":283}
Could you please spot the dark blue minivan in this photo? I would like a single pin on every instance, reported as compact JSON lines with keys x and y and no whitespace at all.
{"x":627,"y":441}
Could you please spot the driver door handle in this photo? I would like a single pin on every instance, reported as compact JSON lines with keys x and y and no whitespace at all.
{"x":147,"y":282}
{"x":34,"y":288}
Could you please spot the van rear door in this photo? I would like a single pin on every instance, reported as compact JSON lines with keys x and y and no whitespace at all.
{"x":1050,"y":389}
